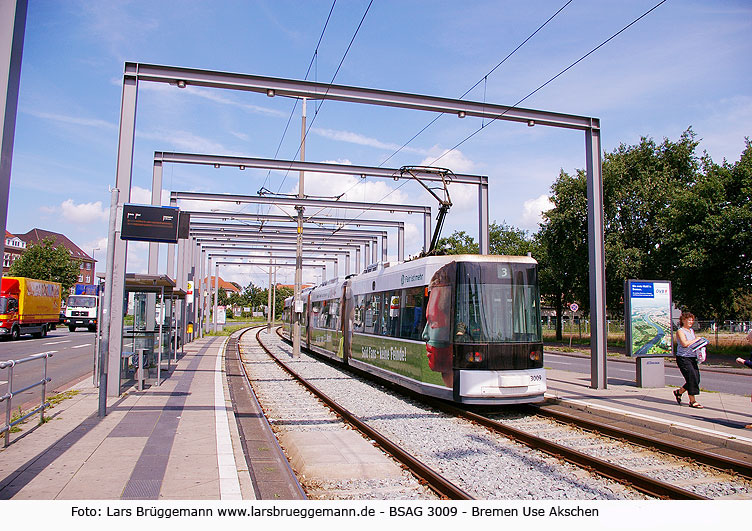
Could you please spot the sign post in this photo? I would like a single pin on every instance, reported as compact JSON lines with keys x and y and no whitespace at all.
{"x":648,"y":330}
{"x":572,"y":308}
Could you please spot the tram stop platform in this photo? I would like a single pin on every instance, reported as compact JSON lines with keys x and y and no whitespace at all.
{"x":186,"y":439}
{"x":720,"y":423}
{"x":175,"y":441}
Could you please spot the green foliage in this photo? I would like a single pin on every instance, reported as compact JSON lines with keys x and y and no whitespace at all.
{"x":222,"y":298}
{"x":668,"y":215}
{"x":282,"y":294}
{"x":562,"y":247}
{"x":457,"y":243}
{"x":506,"y":239}
{"x":44,"y":261}
{"x":711,"y":235}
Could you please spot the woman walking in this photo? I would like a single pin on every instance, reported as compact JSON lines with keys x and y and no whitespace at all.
{"x":686,"y":360}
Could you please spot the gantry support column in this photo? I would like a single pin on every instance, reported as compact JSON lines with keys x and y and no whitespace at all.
{"x":123,"y":184}
{"x":596,"y":255}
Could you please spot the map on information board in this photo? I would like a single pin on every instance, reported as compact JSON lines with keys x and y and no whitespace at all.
{"x":648,"y":315}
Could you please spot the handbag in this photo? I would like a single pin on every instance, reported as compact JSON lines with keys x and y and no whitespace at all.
{"x":701,"y":355}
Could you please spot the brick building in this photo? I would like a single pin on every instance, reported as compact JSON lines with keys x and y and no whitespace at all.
{"x":86,"y":274}
{"x":14,"y":247}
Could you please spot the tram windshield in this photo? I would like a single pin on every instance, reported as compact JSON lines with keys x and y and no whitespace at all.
{"x":497,"y":302}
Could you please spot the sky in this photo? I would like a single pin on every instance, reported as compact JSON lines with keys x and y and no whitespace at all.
{"x":685,"y":64}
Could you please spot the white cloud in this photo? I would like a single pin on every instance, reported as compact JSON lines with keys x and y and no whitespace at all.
{"x":211,"y":95}
{"x":186,"y":141}
{"x":532,"y":210}
{"x":81,"y":213}
{"x":72,"y":120}
{"x":453,"y":159}
{"x":362,"y":140}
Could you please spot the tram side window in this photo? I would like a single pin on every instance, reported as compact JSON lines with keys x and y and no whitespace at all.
{"x":358,"y":313}
{"x":315,"y":312}
{"x":390,"y":321}
{"x":413,"y":317}
{"x":324,"y":315}
{"x":372,"y":313}
{"x":333,"y":312}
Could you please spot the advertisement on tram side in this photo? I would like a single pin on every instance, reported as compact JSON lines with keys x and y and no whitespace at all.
{"x":406,"y":358}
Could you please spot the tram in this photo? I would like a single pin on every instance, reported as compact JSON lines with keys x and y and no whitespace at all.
{"x":464,"y":328}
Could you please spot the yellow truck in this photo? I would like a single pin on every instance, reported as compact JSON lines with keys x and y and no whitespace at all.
{"x":28,"y":306}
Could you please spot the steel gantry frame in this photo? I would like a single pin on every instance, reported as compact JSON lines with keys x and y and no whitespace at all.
{"x":231,"y":228}
{"x":338,"y":222}
{"x":217,"y":161}
{"x":356,"y":239}
{"x":197,"y":309}
{"x":213,"y":258}
{"x":314,"y":203}
{"x":134,"y":73}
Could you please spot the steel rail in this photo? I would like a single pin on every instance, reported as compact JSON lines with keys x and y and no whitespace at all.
{"x":603,"y":468}
{"x":618,"y":473}
{"x":434,"y":480}
{"x":720,"y":462}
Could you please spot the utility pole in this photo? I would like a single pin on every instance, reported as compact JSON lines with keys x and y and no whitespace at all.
{"x":269,"y":302}
{"x":297,"y":301}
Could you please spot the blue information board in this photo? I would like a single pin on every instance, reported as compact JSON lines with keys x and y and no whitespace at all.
{"x":647,"y":312}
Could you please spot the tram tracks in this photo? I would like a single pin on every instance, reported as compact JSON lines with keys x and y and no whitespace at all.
{"x":622,"y":474}
{"x":434,"y":480}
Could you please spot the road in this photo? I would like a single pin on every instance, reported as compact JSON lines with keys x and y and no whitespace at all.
{"x":72,"y":360}
{"x":732,"y":381}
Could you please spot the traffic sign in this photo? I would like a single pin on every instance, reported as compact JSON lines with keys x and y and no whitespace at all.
{"x":574,"y":307}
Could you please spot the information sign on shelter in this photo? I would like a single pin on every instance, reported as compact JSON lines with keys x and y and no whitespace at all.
{"x":189,"y":292}
{"x":150,"y":223}
{"x":647,"y":312}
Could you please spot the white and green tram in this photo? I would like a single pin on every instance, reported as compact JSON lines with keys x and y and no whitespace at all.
{"x":465,"y":328}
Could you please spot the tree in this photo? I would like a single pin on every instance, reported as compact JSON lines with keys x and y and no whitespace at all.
{"x":640,"y":185}
{"x":459,"y":242}
{"x":503,"y":239}
{"x":506,"y":239}
{"x":222,"y":298}
{"x":710,"y":234}
{"x":281,"y":295}
{"x":562,"y":251}
{"x":44,"y":261}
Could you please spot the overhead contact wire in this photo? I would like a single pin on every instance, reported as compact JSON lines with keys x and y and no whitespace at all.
{"x":493,"y":119}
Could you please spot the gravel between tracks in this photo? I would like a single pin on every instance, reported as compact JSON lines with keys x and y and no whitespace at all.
{"x":291,"y":408}
{"x":703,"y":480}
{"x":483,"y":463}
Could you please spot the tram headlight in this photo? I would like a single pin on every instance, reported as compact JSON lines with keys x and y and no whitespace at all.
{"x":536,"y":355}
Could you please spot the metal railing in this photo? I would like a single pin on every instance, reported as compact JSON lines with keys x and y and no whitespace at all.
{"x":12,"y":392}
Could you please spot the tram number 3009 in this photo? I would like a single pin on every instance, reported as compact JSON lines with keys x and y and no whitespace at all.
{"x":536,"y":377}
{"x":418,"y":511}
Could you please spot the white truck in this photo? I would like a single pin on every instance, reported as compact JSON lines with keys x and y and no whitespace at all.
{"x":81,"y":310}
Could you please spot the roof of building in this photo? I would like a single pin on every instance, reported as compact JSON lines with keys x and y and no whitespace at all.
{"x":228,"y":286}
{"x":9,"y":242}
{"x":38,"y":235}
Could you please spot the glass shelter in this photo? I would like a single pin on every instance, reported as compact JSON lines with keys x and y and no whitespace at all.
{"x":152,"y":329}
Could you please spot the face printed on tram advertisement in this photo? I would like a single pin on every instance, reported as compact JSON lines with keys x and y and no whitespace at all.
{"x":437,"y":333}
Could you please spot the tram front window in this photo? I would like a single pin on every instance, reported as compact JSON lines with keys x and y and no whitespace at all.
{"x":496,"y":303}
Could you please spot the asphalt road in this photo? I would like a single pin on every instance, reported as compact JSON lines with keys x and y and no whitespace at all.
{"x":72,"y":359}
{"x":728,"y":380}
